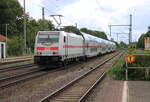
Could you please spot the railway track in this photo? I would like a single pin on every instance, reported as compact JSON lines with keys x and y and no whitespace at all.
{"x":32,"y":73}
{"x":11,"y":80}
{"x":77,"y":89}
{"x":29,"y":75}
{"x":20,"y":67}
{"x":13,"y":60}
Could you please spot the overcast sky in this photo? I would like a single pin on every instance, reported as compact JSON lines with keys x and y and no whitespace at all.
{"x":96,"y":14}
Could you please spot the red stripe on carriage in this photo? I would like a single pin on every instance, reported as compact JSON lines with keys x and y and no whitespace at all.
{"x":40,"y":48}
{"x":70,"y":46}
{"x":53,"y":48}
{"x":47,"y":48}
{"x":73,"y":46}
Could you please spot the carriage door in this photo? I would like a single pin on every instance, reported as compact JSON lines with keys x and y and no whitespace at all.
{"x":66,"y":48}
{"x":2,"y":50}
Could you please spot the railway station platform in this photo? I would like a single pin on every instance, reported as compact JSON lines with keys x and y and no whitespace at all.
{"x":122,"y":91}
{"x":108,"y":91}
{"x":138,"y":91}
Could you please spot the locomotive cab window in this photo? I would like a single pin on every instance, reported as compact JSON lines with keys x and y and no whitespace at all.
{"x":48,"y":38}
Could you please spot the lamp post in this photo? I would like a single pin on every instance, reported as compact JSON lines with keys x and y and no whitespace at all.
{"x":6,"y":31}
{"x":24,"y":28}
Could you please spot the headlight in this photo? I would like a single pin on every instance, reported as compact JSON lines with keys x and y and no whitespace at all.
{"x":55,"y":53}
{"x":39,"y":53}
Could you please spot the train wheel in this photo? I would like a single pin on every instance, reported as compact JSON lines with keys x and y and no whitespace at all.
{"x":64,"y":63}
{"x":85,"y":58}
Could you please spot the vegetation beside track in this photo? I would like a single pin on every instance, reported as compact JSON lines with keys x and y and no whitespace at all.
{"x":132,"y":51}
{"x":117,"y":72}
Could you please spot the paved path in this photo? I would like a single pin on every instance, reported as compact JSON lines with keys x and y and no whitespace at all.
{"x":139,"y":91}
{"x":121,"y":91}
{"x":108,"y":91}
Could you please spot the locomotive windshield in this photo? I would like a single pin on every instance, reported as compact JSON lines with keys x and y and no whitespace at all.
{"x":48,"y":38}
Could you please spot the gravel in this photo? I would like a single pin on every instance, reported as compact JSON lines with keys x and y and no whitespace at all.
{"x":33,"y":90}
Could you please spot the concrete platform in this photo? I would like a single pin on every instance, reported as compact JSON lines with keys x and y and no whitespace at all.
{"x":108,"y":91}
{"x":138,"y":91}
{"x":111,"y":92}
{"x":121,"y":91}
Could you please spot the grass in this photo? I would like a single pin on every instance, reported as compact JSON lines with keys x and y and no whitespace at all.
{"x":117,"y":72}
{"x":132,"y":51}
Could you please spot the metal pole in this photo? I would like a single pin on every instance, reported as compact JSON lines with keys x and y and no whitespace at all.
{"x":110,"y":30}
{"x":117,"y":37}
{"x":58,"y":22}
{"x":43,"y":13}
{"x":76,"y":25}
{"x":130,"y":28}
{"x":126,"y":71}
{"x":126,"y":74}
{"x":25,"y":46}
{"x":6,"y":37}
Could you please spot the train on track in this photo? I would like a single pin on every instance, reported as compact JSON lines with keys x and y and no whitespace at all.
{"x":63,"y":47}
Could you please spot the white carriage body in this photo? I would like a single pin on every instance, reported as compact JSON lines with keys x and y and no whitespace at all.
{"x":97,"y":46}
{"x":91,"y":45}
{"x":67,"y":46}
{"x":63,"y":46}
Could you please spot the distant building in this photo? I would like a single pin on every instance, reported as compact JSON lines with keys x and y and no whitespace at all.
{"x":147,"y":43}
{"x":2,"y":38}
{"x":2,"y":47}
{"x":2,"y":50}
{"x":133,"y":45}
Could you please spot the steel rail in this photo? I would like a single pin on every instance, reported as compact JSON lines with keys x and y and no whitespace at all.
{"x":4,"y":80}
{"x":45,"y":99}
{"x":19,"y":67}
{"x":26,"y":79}
{"x":16,"y":61}
{"x":19,"y":75}
{"x":94,"y":85}
{"x":90,"y":89}
{"x":29,"y":78}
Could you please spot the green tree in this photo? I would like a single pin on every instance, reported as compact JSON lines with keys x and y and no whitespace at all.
{"x":45,"y":25}
{"x":123,"y":45}
{"x":99,"y":34}
{"x":147,"y":33}
{"x":11,"y":13}
{"x":33,"y":27}
{"x":149,"y":28}
{"x":72,"y":29}
{"x":85,"y":30}
{"x":140,"y":43}
{"x":15,"y":46}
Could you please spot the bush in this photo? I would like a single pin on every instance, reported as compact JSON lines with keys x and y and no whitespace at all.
{"x":117,"y":71}
{"x":15,"y":46}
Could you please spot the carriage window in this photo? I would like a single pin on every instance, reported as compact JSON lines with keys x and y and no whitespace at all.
{"x":93,"y":49}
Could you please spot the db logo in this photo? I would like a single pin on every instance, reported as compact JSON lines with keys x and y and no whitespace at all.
{"x":130,"y":58}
